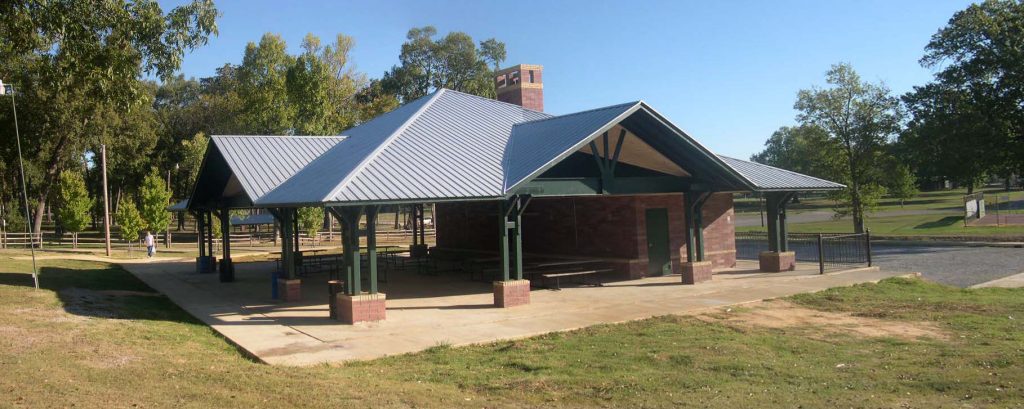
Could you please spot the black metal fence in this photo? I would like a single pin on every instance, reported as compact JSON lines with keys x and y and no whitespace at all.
{"x":831,"y":251}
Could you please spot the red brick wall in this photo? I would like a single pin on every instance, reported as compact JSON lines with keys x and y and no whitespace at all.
{"x":604,"y":226}
{"x":720,"y":230}
{"x":467,"y":225}
{"x":529,"y":98}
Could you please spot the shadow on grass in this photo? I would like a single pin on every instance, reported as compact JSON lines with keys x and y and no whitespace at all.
{"x":943,"y":222}
{"x":102,"y":291}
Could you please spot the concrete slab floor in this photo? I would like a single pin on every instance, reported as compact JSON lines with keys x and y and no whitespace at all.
{"x":425,"y":311}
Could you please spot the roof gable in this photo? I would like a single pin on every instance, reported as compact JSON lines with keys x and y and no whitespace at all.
{"x":536,"y":146}
{"x":261,"y":163}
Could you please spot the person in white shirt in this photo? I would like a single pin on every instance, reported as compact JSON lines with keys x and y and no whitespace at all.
{"x":150,"y":244}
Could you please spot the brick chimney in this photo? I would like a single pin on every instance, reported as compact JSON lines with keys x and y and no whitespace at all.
{"x":522,"y":85}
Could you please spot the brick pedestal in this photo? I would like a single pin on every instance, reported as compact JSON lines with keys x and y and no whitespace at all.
{"x":361,"y":308}
{"x":774,"y":262}
{"x":335,"y":288}
{"x":227,"y":270}
{"x":511,"y":293}
{"x":697,"y":271}
{"x":206,"y":264}
{"x":289,"y":290}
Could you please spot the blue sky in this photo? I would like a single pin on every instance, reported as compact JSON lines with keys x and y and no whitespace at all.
{"x":727,"y":72}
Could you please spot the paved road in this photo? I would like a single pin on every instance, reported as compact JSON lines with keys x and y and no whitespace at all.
{"x":958,"y":266}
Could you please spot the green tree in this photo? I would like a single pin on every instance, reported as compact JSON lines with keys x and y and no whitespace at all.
{"x":953,"y":134}
{"x":311,"y":219}
{"x":321,"y":87}
{"x":193,"y":151}
{"x":262,"y":86}
{"x":77,"y":62}
{"x":969,"y":121}
{"x":453,"y":61}
{"x":155,"y":199}
{"x":129,"y":221}
{"x":902,"y":184}
{"x":802,"y":149}
{"x":860,"y":119}
{"x":74,"y":204}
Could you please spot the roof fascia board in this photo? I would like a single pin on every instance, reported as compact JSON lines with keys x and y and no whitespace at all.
{"x":387,"y":141}
{"x":579,"y":145}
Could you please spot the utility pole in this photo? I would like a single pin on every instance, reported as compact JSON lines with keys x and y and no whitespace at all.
{"x":106,"y":199}
{"x":24,"y":189}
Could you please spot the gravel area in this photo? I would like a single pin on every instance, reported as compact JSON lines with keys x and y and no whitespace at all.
{"x":957,"y":266}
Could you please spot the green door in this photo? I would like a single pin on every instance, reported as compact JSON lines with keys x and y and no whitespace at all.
{"x":659,"y":262}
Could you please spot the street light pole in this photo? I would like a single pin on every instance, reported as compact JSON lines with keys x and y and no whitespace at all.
{"x":106,"y":199}
{"x":24,"y":189}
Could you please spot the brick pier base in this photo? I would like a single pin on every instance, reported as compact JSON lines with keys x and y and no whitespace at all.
{"x":226,"y":270}
{"x":511,"y":293}
{"x":206,"y":264}
{"x":774,"y":262}
{"x":696,"y":271}
{"x":289,"y":290}
{"x":361,"y":308}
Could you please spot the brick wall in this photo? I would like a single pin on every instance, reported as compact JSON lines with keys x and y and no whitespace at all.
{"x":720,"y":230}
{"x":604,"y":226}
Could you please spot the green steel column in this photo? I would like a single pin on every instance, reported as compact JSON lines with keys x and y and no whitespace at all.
{"x":519,"y":237}
{"x":698,"y":227}
{"x":783,"y":230}
{"x":225,"y":228}
{"x":415,"y":227}
{"x":202,"y":234}
{"x":287,"y":257}
{"x":209,"y":233}
{"x":503,"y":236}
{"x":354,"y":260}
{"x":688,"y":214}
{"x":371,"y":245}
{"x":772,"y":202}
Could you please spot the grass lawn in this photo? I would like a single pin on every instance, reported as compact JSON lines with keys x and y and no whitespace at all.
{"x":96,"y":337}
{"x":905,"y":225}
{"x":951,"y":200}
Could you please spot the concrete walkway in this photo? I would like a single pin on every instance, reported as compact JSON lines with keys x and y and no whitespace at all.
{"x":425,"y":311}
{"x":1014,"y":281}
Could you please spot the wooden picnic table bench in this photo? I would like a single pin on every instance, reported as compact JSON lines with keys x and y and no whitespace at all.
{"x":583,"y":273}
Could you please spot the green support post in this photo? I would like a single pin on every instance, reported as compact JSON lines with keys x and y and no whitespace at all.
{"x":287,"y":252}
{"x":371,"y":245}
{"x":772,"y":204}
{"x":503,"y":236}
{"x":519,"y":205}
{"x":783,"y":230}
{"x":688,"y":214}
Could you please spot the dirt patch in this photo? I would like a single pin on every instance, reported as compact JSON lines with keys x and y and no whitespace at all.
{"x":783,"y":314}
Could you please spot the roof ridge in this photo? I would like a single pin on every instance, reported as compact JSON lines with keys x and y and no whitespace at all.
{"x":579,"y":112}
{"x":278,"y":136}
{"x":387,"y":141}
{"x":495,"y":100}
